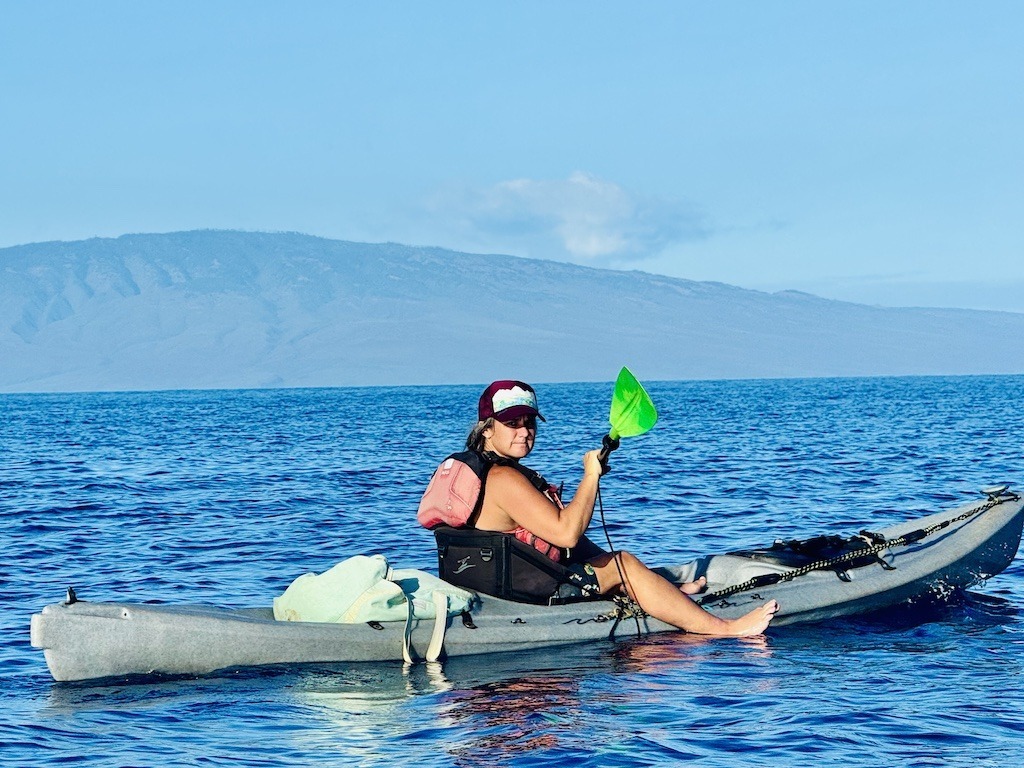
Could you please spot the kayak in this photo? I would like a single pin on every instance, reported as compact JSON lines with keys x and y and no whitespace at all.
{"x":813,"y":580}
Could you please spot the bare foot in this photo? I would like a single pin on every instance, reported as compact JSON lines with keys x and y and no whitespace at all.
{"x":693,"y":587}
{"x":755,"y":622}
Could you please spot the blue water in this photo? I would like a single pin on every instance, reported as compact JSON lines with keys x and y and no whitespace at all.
{"x":225,"y":497}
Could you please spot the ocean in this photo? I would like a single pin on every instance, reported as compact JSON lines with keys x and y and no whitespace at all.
{"x":224,"y":497}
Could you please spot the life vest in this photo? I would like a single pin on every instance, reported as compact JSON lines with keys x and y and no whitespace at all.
{"x":455,"y":495}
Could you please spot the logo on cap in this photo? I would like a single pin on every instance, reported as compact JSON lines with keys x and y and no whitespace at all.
{"x":504,"y":399}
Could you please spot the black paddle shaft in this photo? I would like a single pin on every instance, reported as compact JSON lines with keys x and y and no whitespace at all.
{"x":608,"y":444}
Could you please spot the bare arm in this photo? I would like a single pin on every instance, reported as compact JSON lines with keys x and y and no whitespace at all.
{"x":510,"y":500}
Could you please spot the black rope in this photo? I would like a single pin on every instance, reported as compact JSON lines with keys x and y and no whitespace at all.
{"x":881,"y":545}
{"x":622,"y":611}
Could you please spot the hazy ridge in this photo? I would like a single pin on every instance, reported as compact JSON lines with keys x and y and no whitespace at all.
{"x":212,"y":309}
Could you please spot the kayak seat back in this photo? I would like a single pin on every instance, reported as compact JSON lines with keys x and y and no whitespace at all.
{"x":500,"y":565}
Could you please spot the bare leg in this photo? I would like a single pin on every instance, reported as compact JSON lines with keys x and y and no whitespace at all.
{"x":665,"y":601}
{"x":589,"y":551}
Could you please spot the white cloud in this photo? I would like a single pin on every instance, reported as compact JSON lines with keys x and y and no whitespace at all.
{"x":582,"y":218}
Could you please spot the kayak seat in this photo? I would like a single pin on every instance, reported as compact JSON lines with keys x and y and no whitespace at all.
{"x":500,"y":565}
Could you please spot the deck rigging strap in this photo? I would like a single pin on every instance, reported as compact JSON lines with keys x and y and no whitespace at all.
{"x":436,"y":645}
{"x":880,"y":545}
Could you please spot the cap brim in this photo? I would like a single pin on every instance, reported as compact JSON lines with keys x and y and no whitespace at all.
{"x":516,"y":411}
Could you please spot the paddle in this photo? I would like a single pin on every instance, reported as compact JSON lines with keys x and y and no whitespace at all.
{"x":632,"y":413}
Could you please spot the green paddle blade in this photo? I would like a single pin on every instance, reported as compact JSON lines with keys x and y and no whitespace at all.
{"x":633,"y":411}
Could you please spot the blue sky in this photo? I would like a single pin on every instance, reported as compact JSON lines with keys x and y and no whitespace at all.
{"x":868,"y":151}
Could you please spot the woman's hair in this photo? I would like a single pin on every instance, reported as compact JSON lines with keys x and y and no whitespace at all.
{"x":475,"y":438}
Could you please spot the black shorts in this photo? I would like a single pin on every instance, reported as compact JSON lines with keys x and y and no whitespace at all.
{"x":585,"y":585}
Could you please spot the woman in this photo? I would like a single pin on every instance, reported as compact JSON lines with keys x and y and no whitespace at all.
{"x":506,"y":429}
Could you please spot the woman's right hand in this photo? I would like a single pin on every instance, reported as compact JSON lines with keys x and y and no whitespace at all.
{"x":592,"y":463}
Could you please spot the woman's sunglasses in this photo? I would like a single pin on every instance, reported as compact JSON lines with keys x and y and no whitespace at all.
{"x":530,"y":422}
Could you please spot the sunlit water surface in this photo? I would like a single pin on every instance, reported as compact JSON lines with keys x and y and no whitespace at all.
{"x":225,"y":497}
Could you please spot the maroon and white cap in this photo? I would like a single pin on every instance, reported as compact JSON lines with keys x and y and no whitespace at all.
{"x":508,"y":399}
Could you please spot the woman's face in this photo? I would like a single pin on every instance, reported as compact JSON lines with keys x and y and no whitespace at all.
{"x":512,"y":439}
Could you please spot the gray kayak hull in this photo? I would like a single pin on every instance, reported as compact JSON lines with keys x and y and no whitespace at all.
{"x":86,"y":640}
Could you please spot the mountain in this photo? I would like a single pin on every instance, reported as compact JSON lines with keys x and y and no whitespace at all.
{"x":212,"y":309}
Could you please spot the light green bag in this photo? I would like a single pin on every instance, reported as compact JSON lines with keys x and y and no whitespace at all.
{"x":365,"y":588}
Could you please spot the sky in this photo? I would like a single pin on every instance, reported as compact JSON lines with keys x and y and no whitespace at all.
{"x":865,"y":151}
